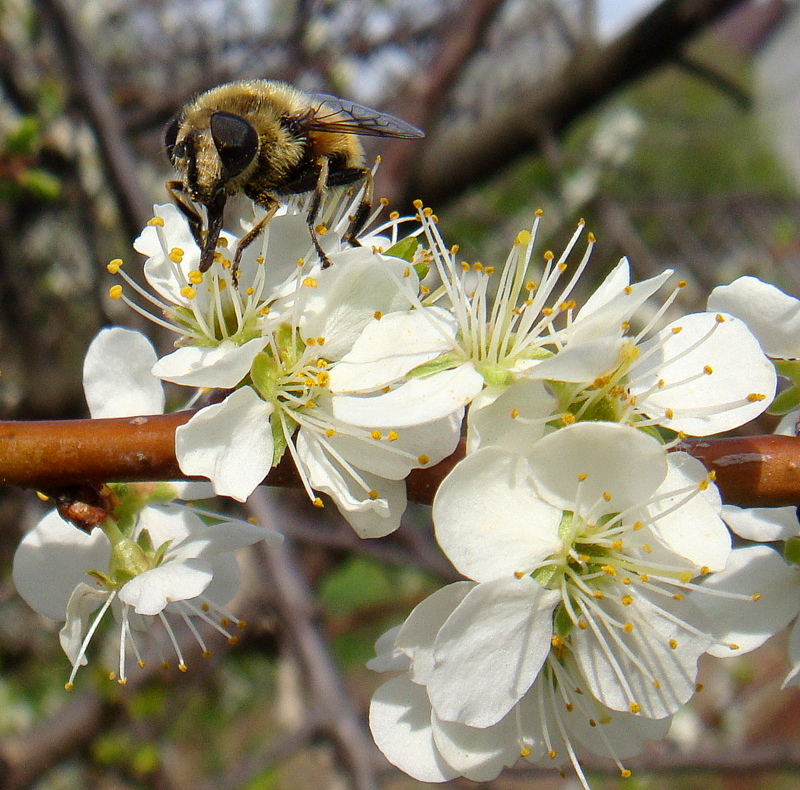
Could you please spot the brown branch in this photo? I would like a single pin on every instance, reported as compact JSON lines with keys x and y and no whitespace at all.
{"x":458,"y":159}
{"x":55,"y":455}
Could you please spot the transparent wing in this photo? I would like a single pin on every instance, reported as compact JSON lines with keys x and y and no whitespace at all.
{"x":349,"y":117}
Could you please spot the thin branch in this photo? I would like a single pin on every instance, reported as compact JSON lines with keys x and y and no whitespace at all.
{"x":296,"y":609}
{"x":91,"y":94}
{"x":53,"y":455}
{"x":457,"y":159}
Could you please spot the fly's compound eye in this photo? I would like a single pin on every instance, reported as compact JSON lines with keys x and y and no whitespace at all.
{"x":170,"y":138}
{"x":236,"y":141}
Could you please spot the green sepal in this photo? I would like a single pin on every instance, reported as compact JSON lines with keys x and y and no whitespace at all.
{"x":788,"y":368}
{"x":160,"y":552}
{"x":263,"y":375}
{"x":495,"y":375}
{"x":404,"y":249}
{"x":279,"y":441}
{"x":446,"y":361}
{"x":785,"y":401}
{"x":145,"y":541}
{"x":562,"y":622}
{"x":102,"y":578}
{"x":791,"y":550}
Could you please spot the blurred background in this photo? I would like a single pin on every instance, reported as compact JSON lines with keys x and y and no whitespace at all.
{"x":672,"y":127}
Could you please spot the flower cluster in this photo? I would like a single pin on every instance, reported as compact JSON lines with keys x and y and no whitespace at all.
{"x":597,"y":561}
{"x":152,"y":558}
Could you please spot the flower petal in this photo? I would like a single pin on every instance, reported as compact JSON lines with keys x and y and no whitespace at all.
{"x":490,"y":650}
{"x":222,"y":366}
{"x":415,"y":402}
{"x":488,"y":519}
{"x":117,"y":378}
{"x":151,"y":591}
{"x":53,"y":559}
{"x":230,"y":443}
{"x":763,"y":524}
{"x":751,"y":570}
{"x":400,"y":722}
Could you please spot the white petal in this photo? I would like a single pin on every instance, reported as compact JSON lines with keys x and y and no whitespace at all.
{"x":653,"y":666}
{"x":396,"y":458}
{"x":372,"y":505}
{"x":151,"y":591}
{"x":348,"y":295}
{"x":416,"y":402}
{"x":509,"y":417}
{"x":673,"y":375}
{"x":763,"y":524}
{"x":580,"y":362}
{"x":772,"y":316}
{"x":390,"y":347}
{"x":117,"y":378}
{"x":604,"y":313}
{"x":53,"y":559}
{"x":478,"y":754}
{"x":230,"y":443}
{"x":82,"y":603}
{"x":694,"y":530}
{"x":489,"y":520}
{"x":400,"y":721}
{"x":388,"y":658}
{"x":748,"y":624}
{"x":491,"y":649}
{"x":615,"y":459}
{"x":417,"y":635}
{"x":221,"y":366}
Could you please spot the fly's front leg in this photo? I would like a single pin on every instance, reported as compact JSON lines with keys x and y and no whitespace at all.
{"x":271,"y":205}
{"x":359,"y":219}
{"x":175,"y":189}
{"x":313,"y":210}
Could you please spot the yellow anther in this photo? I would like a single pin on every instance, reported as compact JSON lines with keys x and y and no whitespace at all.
{"x":607,"y":496}
{"x":627,"y":600}
{"x":719,"y":318}
{"x":523,"y":237}
{"x":669,"y":414}
{"x":393,"y":215}
{"x":42,"y":496}
{"x":393,"y":436}
{"x":628,"y":290}
{"x":582,"y":476}
{"x":754,"y":397}
{"x":464,"y":266}
{"x":156,"y":221}
{"x":115,"y":291}
{"x":567,"y":418}
{"x":207,"y":654}
{"x":317,"y":502}
{"x":708,"y":370}
{"x":628,"y":628}
{"x":673,"y":643}
{"x":376,"y":435}
{"x":377,"y":315}
{"x":187,"y":292}
{"x":552,"y":754}
{"x":309,"y":282}
{"x":373,"y":494}
{"x":643,"y":577}
{"x":320,"y":341}
{"x":755,"y":597}
{"x":609,"y":570}
{"x":548,"y":256}
{"x":698,"y":687}
{"x":321,"y":229}
{"x":637,"y":525}
{"x":617,"y":545}
{"x":330,"y":432}
{"x":530,"y":286}
{"x":524,"y":752}
{"x":514,"y":414}
{"x":249,"y":291}
{"x":539,"y":212}
{"x":176,"y":254}
{"x":625,"y":773}
{"x":678,"y":597}
{"x":114,"y":266}
{"x":634,"y":707}
{"x":183,"y":667}
{"x":676,"y":330}
{"x":423,"y":459}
